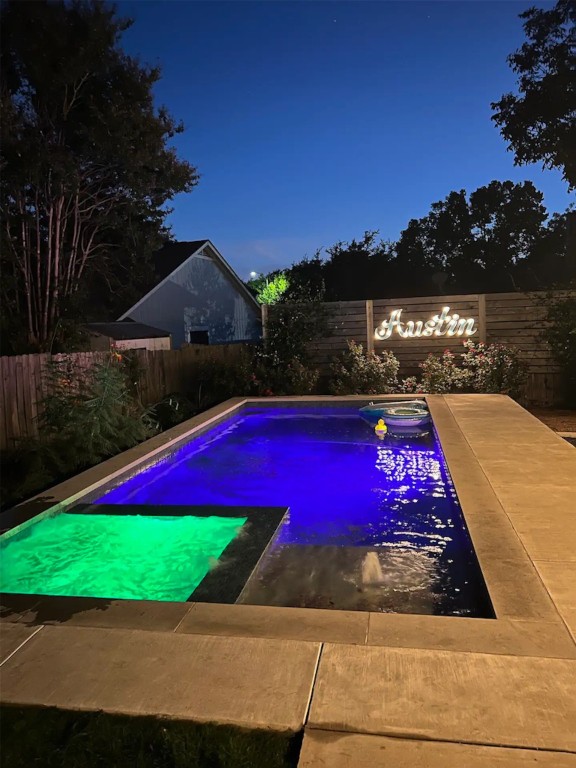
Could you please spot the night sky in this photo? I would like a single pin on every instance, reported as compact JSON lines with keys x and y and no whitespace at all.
{"x":311,"y":122}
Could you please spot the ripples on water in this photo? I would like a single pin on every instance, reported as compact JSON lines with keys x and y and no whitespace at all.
{"x":131,"y":557}
{"x":354,"y":501}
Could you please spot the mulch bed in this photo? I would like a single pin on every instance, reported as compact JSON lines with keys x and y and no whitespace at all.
{"x":556,"y":419}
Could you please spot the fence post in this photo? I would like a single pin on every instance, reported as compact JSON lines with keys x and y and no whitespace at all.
{"x":264,"y":310}
{"x":482,"y":317}
{"x":369,"y":326}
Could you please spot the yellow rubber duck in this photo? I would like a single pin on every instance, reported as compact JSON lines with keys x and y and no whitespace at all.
{"x":380,"y":429}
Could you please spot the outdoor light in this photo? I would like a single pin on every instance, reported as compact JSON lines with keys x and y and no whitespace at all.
{"x":439,"y":325}
{"x":253,"y":275}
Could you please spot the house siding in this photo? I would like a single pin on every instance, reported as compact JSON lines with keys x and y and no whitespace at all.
{"x":101,"y":343}
{"x":199,"y":296}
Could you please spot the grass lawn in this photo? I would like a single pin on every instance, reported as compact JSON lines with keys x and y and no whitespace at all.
{"x":54,"y":738}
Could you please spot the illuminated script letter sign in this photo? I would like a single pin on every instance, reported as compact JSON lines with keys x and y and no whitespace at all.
{"x":443,"y":324}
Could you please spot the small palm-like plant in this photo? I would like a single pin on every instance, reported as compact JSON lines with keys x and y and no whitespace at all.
{"x":89,"y":414}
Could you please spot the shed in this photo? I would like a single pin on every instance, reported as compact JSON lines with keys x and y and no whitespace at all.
{"x":127,"y":335}
{"x":198,"y":297}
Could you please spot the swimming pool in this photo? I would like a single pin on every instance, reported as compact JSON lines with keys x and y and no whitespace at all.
{"x":372,"y":524}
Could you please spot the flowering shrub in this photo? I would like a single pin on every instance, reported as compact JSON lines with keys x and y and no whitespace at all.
{"x":494,"y":368}
{"x":441,"y":374}
{"x":484,"y":368}
{"x":357,"y":373}
{"x":410,"y":386}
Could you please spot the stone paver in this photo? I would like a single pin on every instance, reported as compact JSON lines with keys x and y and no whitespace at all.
{"x":92,"y":612}
{"x":125,"y":614}
{"x":560,"y":580}
{"x":322,"y":749}
{"x":242,"y":681}
{"x":290,"y":623}
{"x":512,"y":701}
{"x":515,"y":638}
{"x":510,"y":682}
{"x":517,"y":591}
{"x":12,"y":636}
{"x":19,"y":609}
{"x":548,"y":537}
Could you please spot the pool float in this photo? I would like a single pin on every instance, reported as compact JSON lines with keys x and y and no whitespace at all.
{"x":397,"y":415}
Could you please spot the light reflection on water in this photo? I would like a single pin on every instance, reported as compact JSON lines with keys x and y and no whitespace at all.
{"x":354,"y":501}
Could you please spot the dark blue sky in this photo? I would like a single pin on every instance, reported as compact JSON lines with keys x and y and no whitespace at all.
{"x":313,"y":121}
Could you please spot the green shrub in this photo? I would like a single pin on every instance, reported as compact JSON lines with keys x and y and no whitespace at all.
{"x":24,"y":472}
{"x":441,"y":374}
{"x":484,"y":368}
{"x":355,"y":373}
{"x":410,"y":386}
{"x":171,"y":410}
{"x":213,"y":381}
{"x":494,"y":368}
{"x":272,"y":376}
{"x":561,"y":336}
{"x":281,"y":364}
{"x":291,"y":328}
{"x":88,"y":414}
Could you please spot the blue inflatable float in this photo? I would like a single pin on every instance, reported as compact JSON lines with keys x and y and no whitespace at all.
{"x":401,"y":415}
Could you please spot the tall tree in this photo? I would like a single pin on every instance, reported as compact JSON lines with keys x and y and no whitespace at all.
{"x":86,"y":164}
{"x":539,"y":123}
{"x":474,"y":243}
{"x":356,"y":269}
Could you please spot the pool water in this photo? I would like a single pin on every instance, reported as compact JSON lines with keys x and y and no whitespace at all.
{"x":115,"y":556}
{"x":373,"y":524}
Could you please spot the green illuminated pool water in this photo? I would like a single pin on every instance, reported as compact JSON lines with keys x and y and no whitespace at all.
{"x":122,"y":556}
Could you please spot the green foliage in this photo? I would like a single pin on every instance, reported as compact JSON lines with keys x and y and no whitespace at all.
{"x":539,"y":123}
{"x":498,"y":237}
{"x":281,"y":363}
{"x":87,"y":168}
{"x":291,"y":328}
{"x":88,"y":414}
{"x":494,"y":368}
{"x":358,"y":269}
{"x":410,"y":386}
{"x":269,"y":289}
{"x":171,"y":410}
{"x":56,"y":738}
{"x":482,"y":368}
{"x":306,"y":280}
{"x":213,"y":381}
{"x":356,"y":373}
{"x":24,"y":472}
{"x":441,"y":374}
{"x":477,"y":243}
{"x":272,"y":377}
{"x":561,"y":336}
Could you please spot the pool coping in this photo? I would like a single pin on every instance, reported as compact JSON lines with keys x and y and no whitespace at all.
{"x":513,"y":513}
{"x":526,"y":615}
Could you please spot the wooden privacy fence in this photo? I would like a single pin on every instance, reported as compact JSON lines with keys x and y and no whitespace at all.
{"x":161,"y":372}
{"x":516,"y":319}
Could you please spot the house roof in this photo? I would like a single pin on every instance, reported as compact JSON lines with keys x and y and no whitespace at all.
{"x":126,"y":329}
{"x":172,"y":256}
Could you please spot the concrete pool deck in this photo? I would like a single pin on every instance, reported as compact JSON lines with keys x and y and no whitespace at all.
{"x":368,"y":688}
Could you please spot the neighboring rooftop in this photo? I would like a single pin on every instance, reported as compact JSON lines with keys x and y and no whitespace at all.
{"x":122,"y":330}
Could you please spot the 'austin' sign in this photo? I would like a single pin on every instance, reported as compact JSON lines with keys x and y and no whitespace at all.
{"x":439,"y":325}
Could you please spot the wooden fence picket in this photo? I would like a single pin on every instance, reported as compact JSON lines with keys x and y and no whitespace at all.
{"x":23,"y":381}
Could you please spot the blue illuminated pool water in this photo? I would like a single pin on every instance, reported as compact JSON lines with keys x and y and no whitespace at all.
{"x":373,"y":524}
